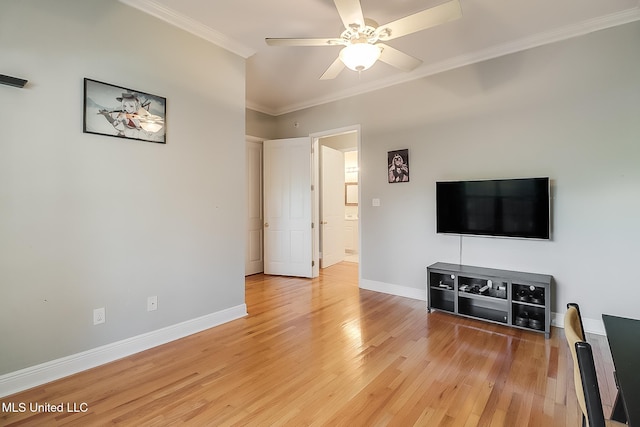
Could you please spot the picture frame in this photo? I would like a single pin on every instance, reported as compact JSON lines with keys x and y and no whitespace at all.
{"x":351,"y":194}
{"x":398,"y":166}
{"x":124,"y":113}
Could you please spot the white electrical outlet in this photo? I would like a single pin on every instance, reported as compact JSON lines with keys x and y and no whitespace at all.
{"x":152,"y":303}
{"x":98,"y":316}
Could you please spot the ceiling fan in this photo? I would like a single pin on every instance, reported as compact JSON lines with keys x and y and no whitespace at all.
{"x":362,"y":37}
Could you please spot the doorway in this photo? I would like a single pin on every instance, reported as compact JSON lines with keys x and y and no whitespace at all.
{"x":347,"y":140}
{"x":254,"y":241}
{"x":339,"y":186}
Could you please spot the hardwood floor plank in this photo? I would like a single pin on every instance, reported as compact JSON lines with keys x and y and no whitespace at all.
{"x":322,"y":352}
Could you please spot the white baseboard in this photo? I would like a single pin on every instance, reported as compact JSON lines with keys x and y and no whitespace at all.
{"x":34,"y":376}
{"x":388,"y":288}
{"x":592,"y":326}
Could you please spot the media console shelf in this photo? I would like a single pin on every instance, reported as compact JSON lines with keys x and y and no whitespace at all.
{"x":512,"y":298}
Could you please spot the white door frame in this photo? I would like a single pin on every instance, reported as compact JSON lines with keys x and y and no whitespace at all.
{"x":254,"y":226}
{"x":315,"y":137}
{"x":315,"y":159}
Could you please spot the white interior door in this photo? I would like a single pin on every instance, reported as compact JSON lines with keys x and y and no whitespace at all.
{"x":332,"y":207}
{"x":253,"y":260}
{"x":287,"y":207}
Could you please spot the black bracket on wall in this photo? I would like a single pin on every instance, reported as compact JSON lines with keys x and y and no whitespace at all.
{"x":12,"y":81}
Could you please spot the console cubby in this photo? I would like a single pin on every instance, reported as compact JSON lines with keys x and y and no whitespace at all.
{"x":517,"y":299}
{"x":488,"y":308}
{"x":442,"y":286}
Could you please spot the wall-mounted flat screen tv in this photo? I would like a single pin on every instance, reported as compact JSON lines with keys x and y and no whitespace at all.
{"x":504,"y":208}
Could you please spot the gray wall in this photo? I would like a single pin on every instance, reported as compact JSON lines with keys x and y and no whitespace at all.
{"x":570,"y":111}
{"x":260,"y":125}
{"x":92,"y":221}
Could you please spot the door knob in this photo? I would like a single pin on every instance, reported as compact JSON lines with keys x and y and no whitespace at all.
{"x":266,"y":225}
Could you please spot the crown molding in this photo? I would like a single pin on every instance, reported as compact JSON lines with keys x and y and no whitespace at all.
{"x":260,"y":108}
{"x":196,"y":28}
{"x":190,"y":25}
{"x":541,"y":39}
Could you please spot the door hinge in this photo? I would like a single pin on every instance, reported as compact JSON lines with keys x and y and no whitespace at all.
{"x":312,"y":188}
{"x":313,"y":263}
{"x":313,"y":225}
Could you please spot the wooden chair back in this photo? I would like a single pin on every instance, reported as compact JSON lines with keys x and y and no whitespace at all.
{"x":579,"y":327}
{"x":574,"y":334}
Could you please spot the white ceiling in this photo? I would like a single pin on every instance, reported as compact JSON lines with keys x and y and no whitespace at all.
{"x":285,"y":79}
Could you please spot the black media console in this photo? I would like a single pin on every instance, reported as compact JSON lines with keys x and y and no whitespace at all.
{"x":512,"y":298}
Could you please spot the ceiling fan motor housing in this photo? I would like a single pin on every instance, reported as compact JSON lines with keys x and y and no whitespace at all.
{"x":356,"y":34}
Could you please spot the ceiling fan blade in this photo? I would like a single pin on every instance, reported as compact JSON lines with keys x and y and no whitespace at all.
{"x":304,"y":42}
{"x":350,"y":12}
{"x":397,"y":58}
{"x":420,"y":21}
{"x":333,"y":70}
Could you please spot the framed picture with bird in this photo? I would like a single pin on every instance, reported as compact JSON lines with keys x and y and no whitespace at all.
{"x":126,"y":113}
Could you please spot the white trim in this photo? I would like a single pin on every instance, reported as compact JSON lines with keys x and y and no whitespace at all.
{"x":523,"y":44}
{"x":190,"y":25}
{"x":34,"y":376}
{"x":388,"y":288}
{"x":592,"y":326}
{"x":257,"y":139}
{"x":335,"y":132}
{"x":260,"y":108}
{"x":315,"y":141}
{"x":198,"y":29}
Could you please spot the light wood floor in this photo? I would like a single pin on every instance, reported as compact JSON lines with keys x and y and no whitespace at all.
{"x":323,"y":352}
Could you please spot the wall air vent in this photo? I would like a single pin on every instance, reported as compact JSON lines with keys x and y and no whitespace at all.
{"x":12,"y":81}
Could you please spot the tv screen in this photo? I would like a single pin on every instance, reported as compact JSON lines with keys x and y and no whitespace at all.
{"x":504,"y":208}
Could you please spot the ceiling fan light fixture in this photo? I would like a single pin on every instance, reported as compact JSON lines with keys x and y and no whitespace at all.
{"x":359,"y":56}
